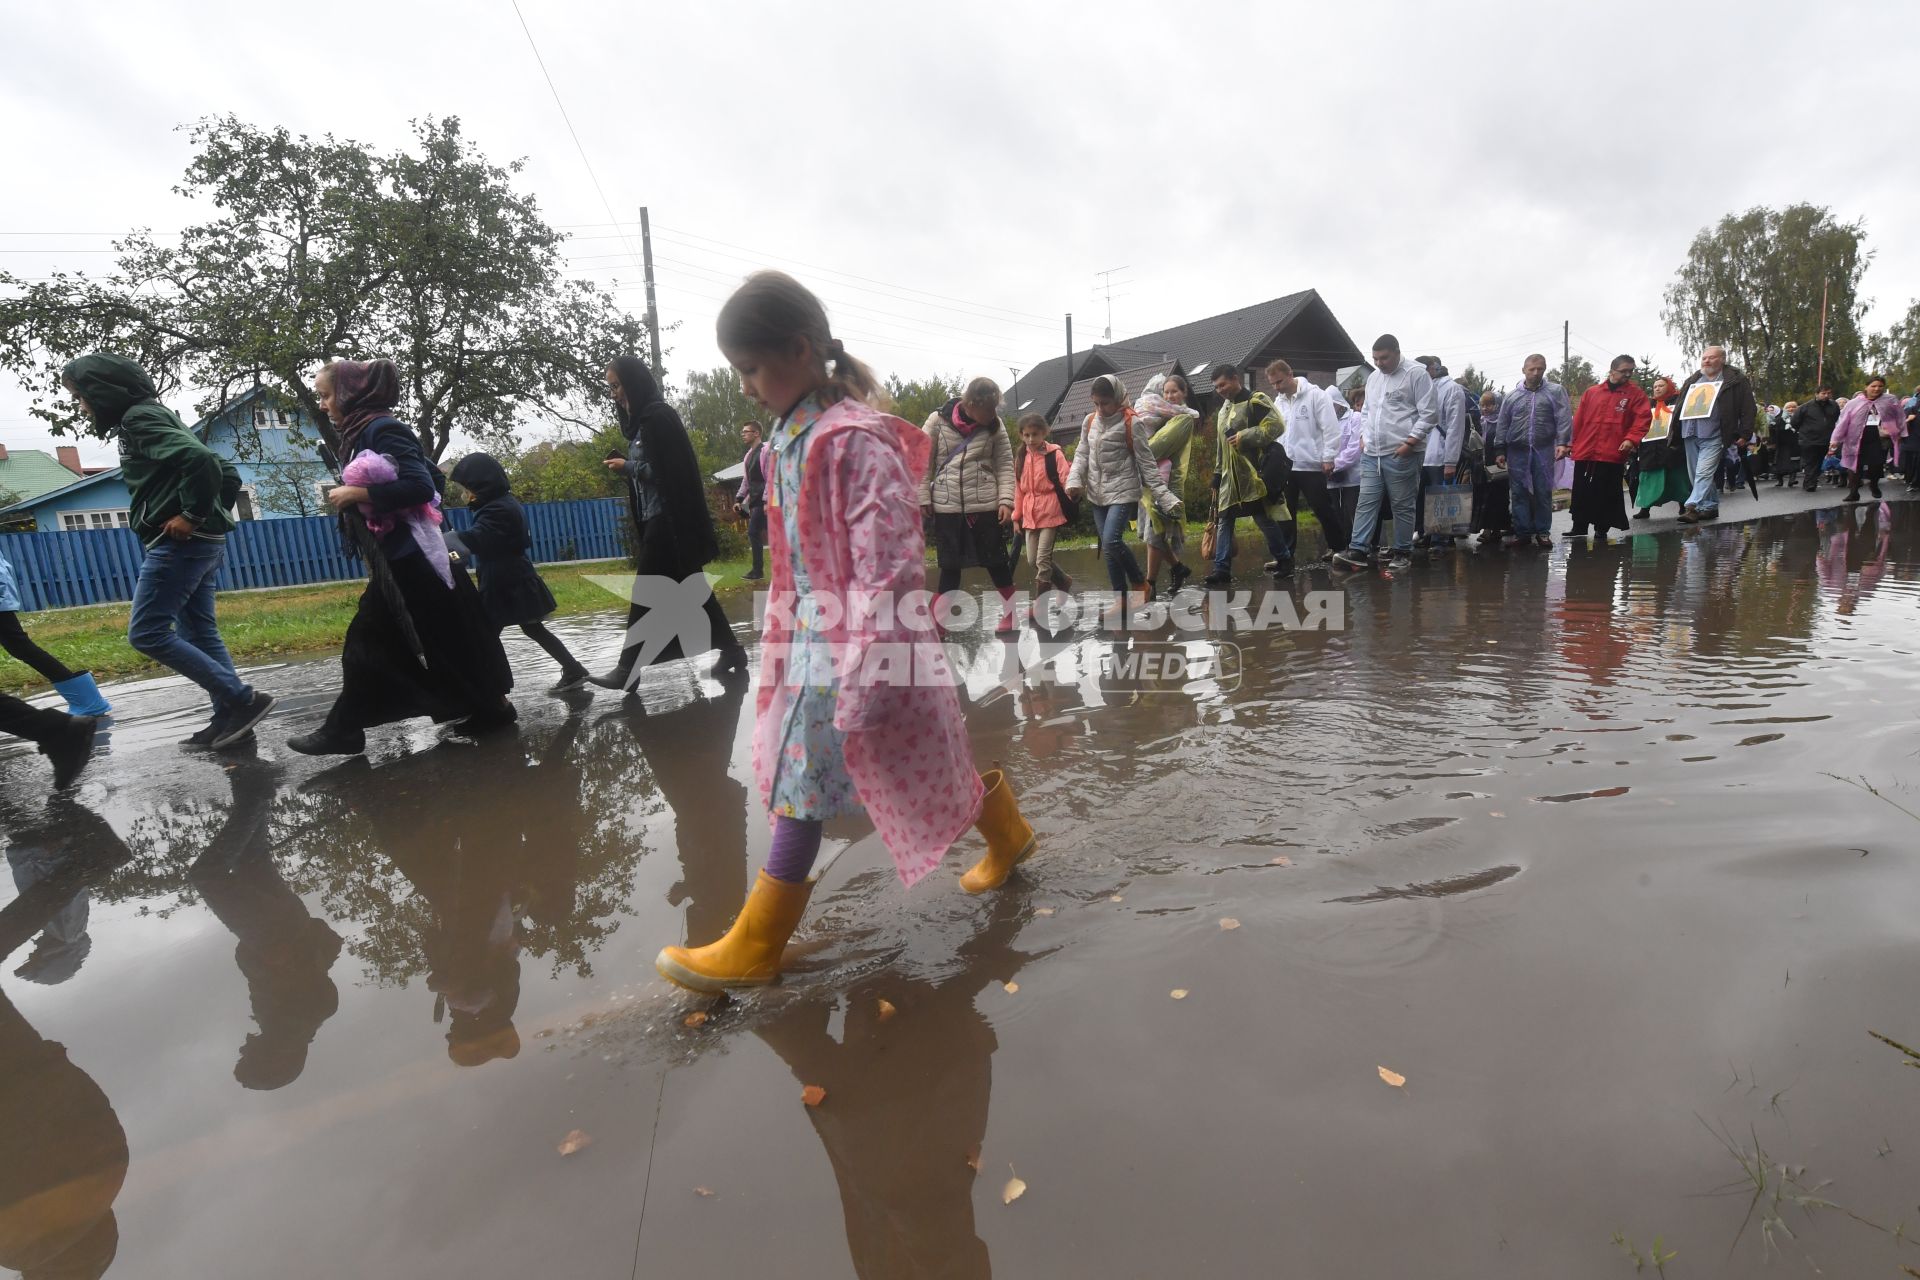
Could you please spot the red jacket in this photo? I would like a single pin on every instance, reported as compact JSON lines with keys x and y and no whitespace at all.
{"x":1606,"y":417}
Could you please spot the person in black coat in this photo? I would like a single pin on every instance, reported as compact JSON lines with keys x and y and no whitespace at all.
{"x":512,"y":590}
{"x":1813,"y":426}
{"x":668,"y":500}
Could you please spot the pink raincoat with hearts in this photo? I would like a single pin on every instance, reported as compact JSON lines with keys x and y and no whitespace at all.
{"x":905,"y":740}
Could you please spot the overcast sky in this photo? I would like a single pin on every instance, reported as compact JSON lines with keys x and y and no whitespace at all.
{"x":952,"y":178}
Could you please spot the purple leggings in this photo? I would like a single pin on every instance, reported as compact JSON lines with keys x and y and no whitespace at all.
{"x":796,"y":843}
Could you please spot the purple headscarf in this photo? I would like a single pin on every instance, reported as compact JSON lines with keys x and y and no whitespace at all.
{"x":364,"y":391}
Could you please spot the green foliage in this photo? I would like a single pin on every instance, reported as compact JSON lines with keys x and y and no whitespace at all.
{"x":567,"y":470}
{"x":1646,"y":373}
{"x":1753,"y":283}
{"x":1576,"y":375}
{"x":713,"y":406}
{"x":1895,"y":354}
{"x":1476,"y":383}
{"x":915,"y":400}
{"x":321,"y":249}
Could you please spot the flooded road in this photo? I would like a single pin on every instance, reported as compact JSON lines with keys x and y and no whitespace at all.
{"x":1608,"y":855}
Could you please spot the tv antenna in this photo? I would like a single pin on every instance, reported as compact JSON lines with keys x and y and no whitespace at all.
{"x":1105,"y":290}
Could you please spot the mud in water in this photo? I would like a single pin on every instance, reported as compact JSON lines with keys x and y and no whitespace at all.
{"x":1610,"y":855}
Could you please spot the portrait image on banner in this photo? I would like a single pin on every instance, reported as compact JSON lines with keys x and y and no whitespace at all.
{"x":1699,"y":402}
{"x":1661,"y":421}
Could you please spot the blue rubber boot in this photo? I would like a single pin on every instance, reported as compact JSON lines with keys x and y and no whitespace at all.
{"x":83,"y":695}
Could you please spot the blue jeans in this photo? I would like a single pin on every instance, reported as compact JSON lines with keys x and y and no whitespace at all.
{"x":1386,"y":479}
{"x":1272,"y":530}
{"x":1110,"y":522}
{"x":1703,"y":464}
{"x":172,"y":617}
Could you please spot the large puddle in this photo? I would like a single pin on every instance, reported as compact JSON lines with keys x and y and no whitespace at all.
{"x":1609,"y":856}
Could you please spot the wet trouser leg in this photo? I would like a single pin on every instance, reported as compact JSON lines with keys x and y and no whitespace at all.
{"x":14,"y":638}
{"x":1122,"y":568}
{"x":1366,"y":520}
{"x":22,"y":720}
{"x":1402,"y":478}
{"x":538,"y":633}
{"x":1703,"y":464}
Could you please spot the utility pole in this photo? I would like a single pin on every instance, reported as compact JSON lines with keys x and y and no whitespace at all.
{"x":1820,"y":360}
{"x":1566,"y":349}
{"x":1069,"y":348}
{"x":1013,"y":396}
{"x":1106,"y":285}
{"x":653,"y":311}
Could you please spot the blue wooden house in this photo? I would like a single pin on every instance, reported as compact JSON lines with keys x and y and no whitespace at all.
{"x":270,"y":440}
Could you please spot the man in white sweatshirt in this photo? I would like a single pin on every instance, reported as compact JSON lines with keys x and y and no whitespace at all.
{"x":1401,"y":413}
{"x":1444,"y":447}
{"x":1312,"y":442}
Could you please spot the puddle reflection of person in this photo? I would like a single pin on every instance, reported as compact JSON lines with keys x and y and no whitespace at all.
{"x":63,"y":1154}
{"x":909,"y":1103}
{"x":688,"y":755}
{"x":283,"y":952}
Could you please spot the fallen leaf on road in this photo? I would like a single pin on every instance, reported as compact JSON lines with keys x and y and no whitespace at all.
{"x":1115,"y":898}
{"x":1495,"y":813}
{"x":887,"y":1010}
{"x":1012,"y":987}
{"x":813,"y":1095}
{"x":973,"y":1157}
{"x":1015,"y":1187}
{"x":698,"y":1018}
{"x":577,"y":1140}
{"x":1393,"y":1078}
{"x":1281,"y":861}
{"x":1178,"y":993}
{"x":1228,"y":923}
{"x":705,"y":1193}
{"x":1043,"y":911}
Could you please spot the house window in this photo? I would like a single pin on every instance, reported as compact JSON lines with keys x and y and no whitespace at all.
{"x":73,"y":521}
{"x":246,"y":505}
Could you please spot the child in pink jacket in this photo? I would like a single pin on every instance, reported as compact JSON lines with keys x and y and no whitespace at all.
{"x":856,"y":711}
{"x":1039,"y":494}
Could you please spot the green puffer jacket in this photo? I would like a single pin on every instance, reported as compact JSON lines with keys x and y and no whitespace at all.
{"x":168,"y":470}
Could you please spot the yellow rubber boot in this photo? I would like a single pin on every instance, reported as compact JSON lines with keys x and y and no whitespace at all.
{"x":1009,"y":837}
{"x":749,"y":953}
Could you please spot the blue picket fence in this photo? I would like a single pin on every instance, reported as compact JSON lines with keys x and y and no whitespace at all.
{"x":98,"y":566}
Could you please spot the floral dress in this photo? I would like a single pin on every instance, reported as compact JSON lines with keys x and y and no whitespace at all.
{"x":810,"y":779}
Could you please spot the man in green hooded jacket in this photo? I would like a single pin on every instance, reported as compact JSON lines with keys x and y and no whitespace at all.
{"x":182,"y":493}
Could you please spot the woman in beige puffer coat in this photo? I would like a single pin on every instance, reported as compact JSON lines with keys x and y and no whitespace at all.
{"x":968,"y":488}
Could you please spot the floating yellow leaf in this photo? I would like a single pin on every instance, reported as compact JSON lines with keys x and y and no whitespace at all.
{"x":1393,"y":1078}
{"x":1178,"y":993}
{"x":705,"y":1193}
{"x":1495,"y":813}
{"x":1228,"y":923}
{"x":1281,"y":861}
{"x":1115,"y":898}
{"x":887,"y":1010}
{"x":1015,"y":1187}
{"x":973,"y":1157}
{"x":813,"y":1095}
{"x":577,"y":1140}
{"x":1012,"y":987}
{"x":1043,"y":911}
{"x":698,"y":1018}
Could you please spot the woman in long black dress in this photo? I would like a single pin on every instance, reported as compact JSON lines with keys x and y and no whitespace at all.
{"x":669,"y":507}
{"x":460,"y":672}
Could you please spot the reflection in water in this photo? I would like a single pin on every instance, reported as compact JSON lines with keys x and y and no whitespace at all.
{"x":63,"y":1154}
{"x":283,"y":952}
{"x":688,"y":754}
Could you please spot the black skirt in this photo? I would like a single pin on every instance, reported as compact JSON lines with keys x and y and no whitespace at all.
{"x":962,"y":541}
{"x":659,"y":558}
{"x":466,"y":670}
{"x":1599,"y":495}
{"x":1492,"y":503}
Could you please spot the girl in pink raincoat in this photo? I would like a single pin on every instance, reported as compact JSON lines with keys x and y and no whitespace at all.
{"x":856,"y":710}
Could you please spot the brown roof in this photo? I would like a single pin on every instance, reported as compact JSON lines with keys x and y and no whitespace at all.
{"x":1079,"y":398}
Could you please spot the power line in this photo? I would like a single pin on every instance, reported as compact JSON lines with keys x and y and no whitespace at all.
{"x":551,"y":88}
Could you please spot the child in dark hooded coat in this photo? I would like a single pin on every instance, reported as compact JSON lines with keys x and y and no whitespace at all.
{"x":511,"y":589}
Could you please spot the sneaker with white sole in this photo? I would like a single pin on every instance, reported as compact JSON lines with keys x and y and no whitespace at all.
{"x":235,"y":723}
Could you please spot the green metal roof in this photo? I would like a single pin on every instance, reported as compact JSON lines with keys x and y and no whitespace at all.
{"x":28,"y":473}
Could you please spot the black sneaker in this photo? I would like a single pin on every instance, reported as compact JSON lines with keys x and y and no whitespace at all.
{"x":1400,"y":563}
{"x":1218,"y":579}
{"x":327,"y":741}
{"x":203,"y":736}
{"x":570,"y":680}
{"x":1350,"y":562}
{"x":1644,"y":513}
{"x":1180,"y":574}
{"x":69,"y":749}
{"x":753,"y":577}
{"x":614,"y":679}
{"x":235,"y":723}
